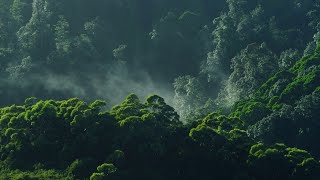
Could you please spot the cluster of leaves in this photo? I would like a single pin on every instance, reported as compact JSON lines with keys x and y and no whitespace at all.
{"x":75,"y":140}
{"x":277,"y":161}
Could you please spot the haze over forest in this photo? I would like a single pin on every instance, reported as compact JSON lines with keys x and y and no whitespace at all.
{"x":101,"y":49}
{"x":159,"y":89}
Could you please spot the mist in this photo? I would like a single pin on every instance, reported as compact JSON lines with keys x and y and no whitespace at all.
{"x":111,"y":85}
{"x":195,"y":55}
{"x":159,"y":89}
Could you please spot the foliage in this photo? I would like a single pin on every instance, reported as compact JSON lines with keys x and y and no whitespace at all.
{"x":296,"y":162}
{"x":246,"y":81}
{"x":284,"y":107}
{"x":71,"y":139}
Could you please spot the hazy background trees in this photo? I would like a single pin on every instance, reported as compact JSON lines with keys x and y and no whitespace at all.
{"x":197,"y":55}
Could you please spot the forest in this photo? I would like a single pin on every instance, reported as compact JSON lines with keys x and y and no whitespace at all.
{"x":159,"y":89}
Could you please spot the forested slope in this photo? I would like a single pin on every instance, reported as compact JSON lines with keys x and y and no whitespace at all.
{"x":237,"y":84}
{"x":260,"y":139}
{"x":286,"y":107}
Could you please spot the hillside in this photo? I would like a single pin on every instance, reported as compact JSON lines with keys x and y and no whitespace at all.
{"x":286,"y":107}
{"x":145,"y":140}
{"x":231,"y":88}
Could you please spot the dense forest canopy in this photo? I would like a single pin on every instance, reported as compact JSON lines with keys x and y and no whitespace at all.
{"x":237,"y":84}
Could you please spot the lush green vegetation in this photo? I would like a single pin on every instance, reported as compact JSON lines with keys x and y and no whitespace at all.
{"x":75,"y":140}
{"x":284,"y":109}
{"x":238,"y":86}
